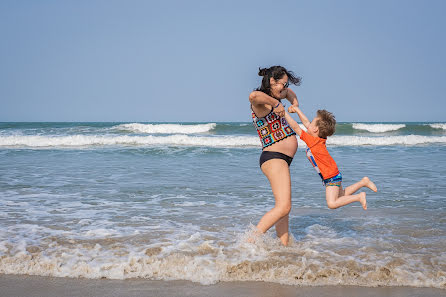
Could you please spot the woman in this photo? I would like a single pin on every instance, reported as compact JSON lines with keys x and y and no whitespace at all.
{"x":279,"y":143}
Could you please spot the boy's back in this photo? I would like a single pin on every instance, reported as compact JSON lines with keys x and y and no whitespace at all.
{"x":318,"y":155}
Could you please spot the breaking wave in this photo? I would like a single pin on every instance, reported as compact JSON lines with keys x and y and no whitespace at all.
{"x":28,"y":141}
{"x":378,"y":128}
{"x":438,"y":126}
{"x":166,"y":128}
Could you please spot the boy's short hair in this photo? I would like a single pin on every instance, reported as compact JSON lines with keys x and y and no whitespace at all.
{"x":326,"y":123}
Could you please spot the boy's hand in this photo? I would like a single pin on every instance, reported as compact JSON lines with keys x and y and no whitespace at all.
{"x":279,"y":110}
{"x":291,"y":109}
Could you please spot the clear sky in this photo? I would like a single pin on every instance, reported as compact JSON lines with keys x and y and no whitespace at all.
{"x":197,"y":61}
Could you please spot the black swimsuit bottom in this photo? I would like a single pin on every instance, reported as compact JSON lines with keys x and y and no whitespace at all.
{"x":267,"y":155}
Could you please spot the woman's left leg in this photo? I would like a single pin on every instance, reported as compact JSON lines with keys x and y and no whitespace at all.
{"x":282,"y":227}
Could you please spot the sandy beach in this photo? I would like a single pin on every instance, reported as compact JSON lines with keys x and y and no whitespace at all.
{"x":36,"y":286}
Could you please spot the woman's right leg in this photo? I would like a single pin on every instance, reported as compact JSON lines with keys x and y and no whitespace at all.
{"x":278,"y":174}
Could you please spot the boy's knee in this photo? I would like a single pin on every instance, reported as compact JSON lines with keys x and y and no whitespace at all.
{"x":331,"y":205}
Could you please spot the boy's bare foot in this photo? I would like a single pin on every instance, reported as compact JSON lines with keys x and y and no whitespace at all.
{"x":362,"y":200}
{"x":369,"y":184}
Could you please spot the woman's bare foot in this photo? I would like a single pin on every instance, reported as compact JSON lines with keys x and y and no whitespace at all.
{"x":254,"y":235}
{"x":362,"y":200}
{"x":369,"y":184}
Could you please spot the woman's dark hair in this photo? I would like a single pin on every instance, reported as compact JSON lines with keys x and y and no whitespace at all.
{"x":276,"y":72}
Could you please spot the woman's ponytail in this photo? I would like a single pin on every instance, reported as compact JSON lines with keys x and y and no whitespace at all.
{"x":263,"y":71}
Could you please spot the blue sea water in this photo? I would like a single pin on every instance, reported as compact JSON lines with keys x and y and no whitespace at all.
{"x":178,"y":200}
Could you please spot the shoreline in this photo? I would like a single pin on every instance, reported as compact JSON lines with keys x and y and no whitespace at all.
{"x":29,"y":285}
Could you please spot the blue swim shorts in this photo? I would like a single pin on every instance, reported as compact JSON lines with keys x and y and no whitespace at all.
{"x":333,"y":181}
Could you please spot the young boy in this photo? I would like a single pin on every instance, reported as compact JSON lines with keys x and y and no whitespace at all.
{"x":322,"y":126}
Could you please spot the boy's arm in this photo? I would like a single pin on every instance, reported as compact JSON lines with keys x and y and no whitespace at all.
{"x":293,"y":124}
{"x":302,"y":117}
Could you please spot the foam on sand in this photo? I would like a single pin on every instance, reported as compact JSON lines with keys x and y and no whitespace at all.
{"x":307,"y":262}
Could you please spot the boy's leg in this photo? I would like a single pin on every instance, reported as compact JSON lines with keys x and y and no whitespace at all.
{"x":364,"y":182}
{"x":334,"y":201}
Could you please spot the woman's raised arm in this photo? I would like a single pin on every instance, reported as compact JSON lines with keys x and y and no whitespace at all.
{"x":291,"y":96}
{"x":258,"y":98}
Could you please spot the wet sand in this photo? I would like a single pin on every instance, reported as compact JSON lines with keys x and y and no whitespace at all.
{"x":27,"y":286}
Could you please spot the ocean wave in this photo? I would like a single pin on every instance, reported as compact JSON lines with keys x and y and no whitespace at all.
{"x":166,"y":128}
{"x":26,"y":141}
{"x":385,"y":140}
{"x":378,"y":128}
{"x":318,"y":259}
{"x":438,"y":126}
{"x":86,"y":140}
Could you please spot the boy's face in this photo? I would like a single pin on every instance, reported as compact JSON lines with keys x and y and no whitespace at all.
{"x":313,"y":129}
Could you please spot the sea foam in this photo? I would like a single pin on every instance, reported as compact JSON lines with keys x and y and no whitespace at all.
{"x":384,"y":141}
{"x":166,"y":128}
{"x":317,"y":259}
{"x":80,"y":141}
{"x":378,"y":128}
{"x":86,"y":140}
{"x":438,"y":126}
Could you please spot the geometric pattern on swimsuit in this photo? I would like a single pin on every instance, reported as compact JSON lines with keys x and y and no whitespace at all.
{"x":271,"y":128}
{"x":333,"y":181}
